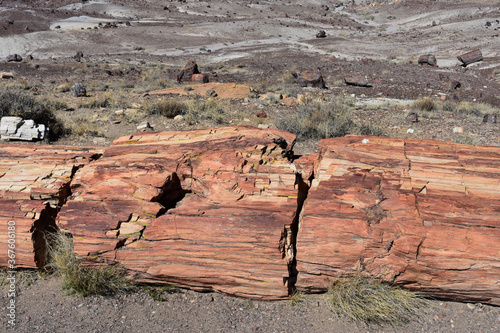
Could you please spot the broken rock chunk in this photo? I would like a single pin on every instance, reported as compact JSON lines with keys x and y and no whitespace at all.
{"x":15,"y":128}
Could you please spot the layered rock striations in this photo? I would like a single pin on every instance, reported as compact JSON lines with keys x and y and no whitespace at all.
{"x":422,"y":214}
{"x":233,"y":210}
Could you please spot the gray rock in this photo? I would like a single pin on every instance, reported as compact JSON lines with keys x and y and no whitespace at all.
{"x":78,"y":90}
{"x":15,"y":128}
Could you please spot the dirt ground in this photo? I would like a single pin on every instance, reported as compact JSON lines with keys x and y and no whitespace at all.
{"x":136,"y":44}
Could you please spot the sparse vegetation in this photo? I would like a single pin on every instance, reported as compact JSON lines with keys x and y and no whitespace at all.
{"x":82,"y":280}
{"x":319,"y":120}
{"x":296,"y":298}
{"x":199,"y":109}
{"x":168,"y":108}
{"x":157,"y":293}
{"x":372,"y":301}
{"x":428,"y":104}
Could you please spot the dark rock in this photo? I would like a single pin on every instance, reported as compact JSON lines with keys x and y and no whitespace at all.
{"x":211,"y":93}
{"x":428,"y":59}
{"x":321,"y":34}
{"x":78,"y":90}
{"x":306,"y":77}
{"x":412,"y":117}
{"x":455,"y":84}
{"x":359,"y":81}
{"x":261,"y":114}
{"x":188,"y":71}
{"x":490,"y":118}
{"x":201,"y":78}
{"x":14,"y":57}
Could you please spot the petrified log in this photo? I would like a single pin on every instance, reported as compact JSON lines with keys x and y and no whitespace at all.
{"x":470,"y":57}
{"x":359,"y":81}
{"x":202,"y":209}
{"x":307,"y":77}
{"x":422,"y":214}
{"x":428,"y":59}
{"x":34,"y":183}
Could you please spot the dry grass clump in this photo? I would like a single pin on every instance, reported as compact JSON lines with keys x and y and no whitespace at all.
{"x":199,"y":109}
{"x":373,"y":301}
{"x":428,"y":104}
{"x":425,"y":104}
{"x":82,"y":126}
{"x":319,"y":120}
{"x":168,"y":108}
{"x":82,"y":280}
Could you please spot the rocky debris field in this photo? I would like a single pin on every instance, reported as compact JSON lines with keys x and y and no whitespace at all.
{"x":376,"y":57}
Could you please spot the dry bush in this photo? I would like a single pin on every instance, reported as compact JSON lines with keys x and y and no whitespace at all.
{"x":78,"y":279}
{"x":425,"y":104}
{"x":319,"y":120}
{"x":82,"y":126}
{"x":168,"y":108}
{"x":373,"y":301}
{"x":199,"y":109}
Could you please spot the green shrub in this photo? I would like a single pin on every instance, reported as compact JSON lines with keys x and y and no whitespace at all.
{"x":82,"y":280}
{"x":373,"y":301}
{"x":19,"y":103}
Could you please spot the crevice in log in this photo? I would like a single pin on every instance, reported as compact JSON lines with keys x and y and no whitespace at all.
{"x":288,"y":239}
{"x":45,"y":225}
{"x":171,"y":193}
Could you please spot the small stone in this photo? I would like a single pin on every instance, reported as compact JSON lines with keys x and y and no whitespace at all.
{"x":178,"y":118}
{"x":261,"y":114}
{"x":263,"y":126}
{"x":78,"y":90}
{"x":412,"y":117}
{"x":211,"y":93}
{"x":410,"y":130}
{"x":365,"y":141}
{"x":321,"y":34}
{"x":458,"y":129}
{"x":144,"y":126}
{"x":490,"y":118}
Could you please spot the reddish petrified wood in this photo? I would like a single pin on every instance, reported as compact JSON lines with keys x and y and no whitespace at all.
{"x":470,"y":57}
{"x":34,"y":182}
{"x":423,"y":214}
{"x":203,"y":209}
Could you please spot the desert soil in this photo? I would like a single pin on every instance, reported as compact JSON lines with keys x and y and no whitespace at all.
{"x":255,"y":43}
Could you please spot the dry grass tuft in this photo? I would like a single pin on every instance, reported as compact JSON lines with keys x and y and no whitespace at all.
{"x":82,"y":280}
{"x":372,"y":301}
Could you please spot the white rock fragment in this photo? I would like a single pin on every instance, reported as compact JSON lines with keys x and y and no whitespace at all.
{"x":410,"y":130}
{"x":365,"y":141}
{"x":15,"y":128}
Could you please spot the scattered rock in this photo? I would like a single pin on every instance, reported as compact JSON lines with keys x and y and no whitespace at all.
{"x":470,"y":57}
{"x":201,"y":78}
{"x":306,"y":77}
{"x":359,"y":81}
{"x":78,"y":90}
{"x":78,"y":57}
{"x":15,"y":128}
{"x":412,"y":117}
{"x":178,"y":118}
{"x":321,"y":34}
{"x":490,"y":118}
{"x":455,"y":84}
{"x":211,"y":93}
{"x":458,"y":129}
{"x":7,"y":76}
{"x":145,"y":125}
{"x":410,"y":130}
{"x":188,"y":71}
{"x":14,"y":58}
{"x":261,"y":114}
{"x":428,"y":59}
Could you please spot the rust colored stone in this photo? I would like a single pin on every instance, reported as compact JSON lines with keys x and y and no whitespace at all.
{"x":422,"y":214}
{"x":202,"y":209}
